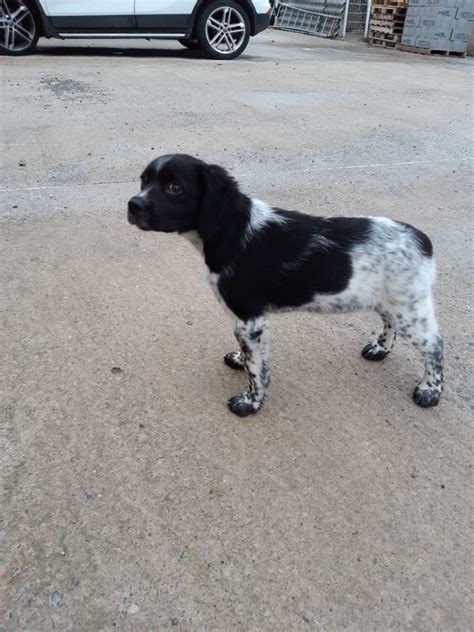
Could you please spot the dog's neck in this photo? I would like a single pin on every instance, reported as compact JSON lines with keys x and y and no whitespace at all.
{"x":219,"y":250}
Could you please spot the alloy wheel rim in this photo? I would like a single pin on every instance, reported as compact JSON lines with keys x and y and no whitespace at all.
{"x":225,"y":30}
{"x":17,"y":25}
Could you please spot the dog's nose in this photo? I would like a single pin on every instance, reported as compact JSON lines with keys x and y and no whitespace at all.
{"x":135,"y":205}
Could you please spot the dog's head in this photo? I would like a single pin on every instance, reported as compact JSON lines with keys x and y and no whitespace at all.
{"x":180,"y":193}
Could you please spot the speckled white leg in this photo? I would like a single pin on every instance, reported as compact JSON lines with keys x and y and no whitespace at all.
{"x":420,"y":327}
{"x":379,"y":348}
{"x":253,"y":336}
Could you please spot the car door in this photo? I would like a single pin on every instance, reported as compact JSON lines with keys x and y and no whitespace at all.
{"x":166,"y":16}
{"x":92,"y":16}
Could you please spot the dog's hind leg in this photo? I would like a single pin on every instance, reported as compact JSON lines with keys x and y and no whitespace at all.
{"x":428,"y":391}
{"x":379,"y":349}
{"x":254,"y":337}
{"x":420,"y":327}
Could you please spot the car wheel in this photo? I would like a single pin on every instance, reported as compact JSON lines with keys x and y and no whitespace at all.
{"x":192,"y":44}
{"x":18,"y":28}
{"x":223,"y":29}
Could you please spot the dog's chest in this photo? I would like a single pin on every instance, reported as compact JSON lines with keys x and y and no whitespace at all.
{"x":214,"y":278}
{"x":214,"y":281}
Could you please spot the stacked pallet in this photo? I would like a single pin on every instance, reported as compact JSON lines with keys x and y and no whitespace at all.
{"x":387,"y":18}
{"x":442,"y":27}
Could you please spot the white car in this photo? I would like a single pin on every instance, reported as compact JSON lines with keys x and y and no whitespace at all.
{"x":220,"y":28}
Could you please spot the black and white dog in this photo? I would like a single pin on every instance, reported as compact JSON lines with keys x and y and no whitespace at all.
{"x":264,"y":260}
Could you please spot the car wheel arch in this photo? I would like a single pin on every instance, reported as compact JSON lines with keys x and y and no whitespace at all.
{"x":44,"y":25}
{"x":245,"y":4}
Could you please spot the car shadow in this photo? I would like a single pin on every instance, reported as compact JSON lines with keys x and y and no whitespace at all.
{"x":144,"y":53}
{"x":114,"y":51}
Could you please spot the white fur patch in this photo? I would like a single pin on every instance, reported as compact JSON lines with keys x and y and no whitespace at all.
{"x":388,"y":273}
{"x":214,"y":278}
{"x":262,"y":214}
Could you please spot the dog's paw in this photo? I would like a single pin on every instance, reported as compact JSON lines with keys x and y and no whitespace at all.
{"x":373,"y":351}
{"x":426,"y":397}
{"x":234,"y":360}
{"x":242,"y":406}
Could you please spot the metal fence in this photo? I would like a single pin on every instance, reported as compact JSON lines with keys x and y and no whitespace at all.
{"x":324,"y":18}
{"x":292,"y":18}
{"x":357,"y":17}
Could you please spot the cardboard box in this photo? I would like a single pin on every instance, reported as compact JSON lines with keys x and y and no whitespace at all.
{"x":408,"y":40}
{"x":440,"y":44}
{"x":464,"y":13}
{"x":457,"y":47}
{"x":460,"y":37}
{"x":413,"y":9}
{"x":442,"y":30}
{"x":412,"y":21}
{"x":423,"y":42}
{"x":428,"y":31}
{"x":462,"y":26}
{"x":445,"y":11}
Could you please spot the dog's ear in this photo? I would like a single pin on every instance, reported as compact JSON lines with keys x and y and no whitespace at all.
{"x":219,"y":200}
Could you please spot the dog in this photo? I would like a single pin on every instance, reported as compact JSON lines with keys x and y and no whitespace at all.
{"x":263,"y":260}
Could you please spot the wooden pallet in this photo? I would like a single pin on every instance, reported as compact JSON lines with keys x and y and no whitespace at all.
{"x":385,"y":25}
{"x":391,"y":3}
{"x":388,"y":18}
{"x":377,"y":41}
{"x":388,"y":37}
{"x":387,"y":11}
{"x":430,"y":51}
{"x":392,"y":23}
{"x":386,"y":29}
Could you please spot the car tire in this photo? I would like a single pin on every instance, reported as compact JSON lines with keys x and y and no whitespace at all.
{"x":192,"y":44}
{"x":19,"y":30}
{"x":223,"y":29}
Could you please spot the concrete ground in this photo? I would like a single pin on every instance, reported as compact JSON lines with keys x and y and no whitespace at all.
{"x":132,"y":499}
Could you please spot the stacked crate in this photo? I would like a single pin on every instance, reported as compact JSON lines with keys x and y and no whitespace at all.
{"x":387,"y":18}
{"x":438,"y":26}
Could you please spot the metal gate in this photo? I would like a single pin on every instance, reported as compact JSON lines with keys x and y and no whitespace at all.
{"x":292,"y":18}
{"x":356,"y":17}
{"x":324,"y":18}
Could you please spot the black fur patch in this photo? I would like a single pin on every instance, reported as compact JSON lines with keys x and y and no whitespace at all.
{"x":373,"y":352}
{"x":260,"y":278}
{"x":423,"y":240}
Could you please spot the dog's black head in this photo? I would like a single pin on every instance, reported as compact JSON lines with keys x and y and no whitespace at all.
{"x":180,"y":193}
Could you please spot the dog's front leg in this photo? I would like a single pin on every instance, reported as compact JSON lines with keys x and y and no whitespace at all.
{"x":254,"y":337}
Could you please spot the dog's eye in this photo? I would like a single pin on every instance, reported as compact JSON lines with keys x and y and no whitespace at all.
{"x":173,"y":189}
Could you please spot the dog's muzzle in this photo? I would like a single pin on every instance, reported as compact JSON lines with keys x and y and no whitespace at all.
{"x":136,"y":214}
